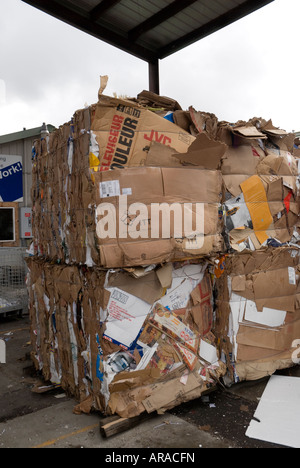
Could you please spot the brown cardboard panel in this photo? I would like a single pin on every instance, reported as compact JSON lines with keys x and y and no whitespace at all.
{"x":204,"y":152}
{"x":182,"y":119}
{"x":275,"y":282}
{"x":124,"y":131}
{"x":248,"y":131}
{"x":270,"y":339}
{"x":251,"y":353}
{"x":144,"y":240}
{"x":123,"y":381}
{"x":164,"y":275}
{"x":283,"y":164}
{"x":241,"y":160}
{"x":160,"y":155}
{"x":256,"y":370}
{"x":204,"y":122}
{"x":270,"y":130}
{"x":147,"y":288}
{"x":165,"y":392}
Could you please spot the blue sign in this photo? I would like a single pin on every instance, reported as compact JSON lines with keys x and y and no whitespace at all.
{"x":11,"y":179}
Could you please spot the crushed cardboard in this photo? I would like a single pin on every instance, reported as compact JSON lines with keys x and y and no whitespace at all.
{"x":111,"y":349}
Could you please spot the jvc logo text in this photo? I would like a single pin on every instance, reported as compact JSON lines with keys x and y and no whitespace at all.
{"x":2,"y":352}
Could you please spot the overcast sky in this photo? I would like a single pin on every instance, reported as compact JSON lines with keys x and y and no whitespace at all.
{"x":48,"y":69}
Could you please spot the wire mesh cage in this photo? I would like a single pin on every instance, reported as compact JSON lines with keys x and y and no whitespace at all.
{"x":13,"y":270}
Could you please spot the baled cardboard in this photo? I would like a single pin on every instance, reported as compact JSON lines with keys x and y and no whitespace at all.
{"x":144,"y":336}
{"x":258,"y":149}
{"x":140,"y":239}
{"x":259,"y":315}
{"x":94,"y":334}
{"x":267,"y":207}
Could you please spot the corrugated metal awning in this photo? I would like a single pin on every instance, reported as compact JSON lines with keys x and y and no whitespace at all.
{"x":149,"y":29}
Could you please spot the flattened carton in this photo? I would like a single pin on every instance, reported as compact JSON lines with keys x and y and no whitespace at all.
{"x":124,"y":132}
{"x":151,"y":215}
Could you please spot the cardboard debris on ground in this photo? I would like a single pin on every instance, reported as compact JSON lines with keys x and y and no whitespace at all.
{"x":129,"y":322}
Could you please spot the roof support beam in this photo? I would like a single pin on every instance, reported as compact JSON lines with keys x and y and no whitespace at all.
{"x":101,"y":8}
{"x":84,"y":23}
{"x":154,"y":76}
{"x":163,"y":15}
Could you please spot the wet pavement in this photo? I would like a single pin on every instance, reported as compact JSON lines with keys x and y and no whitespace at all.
{"x":28,"y":419}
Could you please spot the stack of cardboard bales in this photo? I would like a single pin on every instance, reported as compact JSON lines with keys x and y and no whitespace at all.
{"x":130,"y":316}
{"x":122,"y":318}
{"x":257,"y":312}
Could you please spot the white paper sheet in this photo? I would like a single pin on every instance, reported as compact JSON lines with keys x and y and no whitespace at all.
{"x":184,"y":280}
{"x":279,"y":413}
{"x":208,"y":352}
{"x":126,"y":315}
{"x":268,"y":317}
{"x":244,"y":310}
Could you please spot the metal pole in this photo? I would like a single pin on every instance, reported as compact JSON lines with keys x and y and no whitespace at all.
{"x":154,"y":76}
